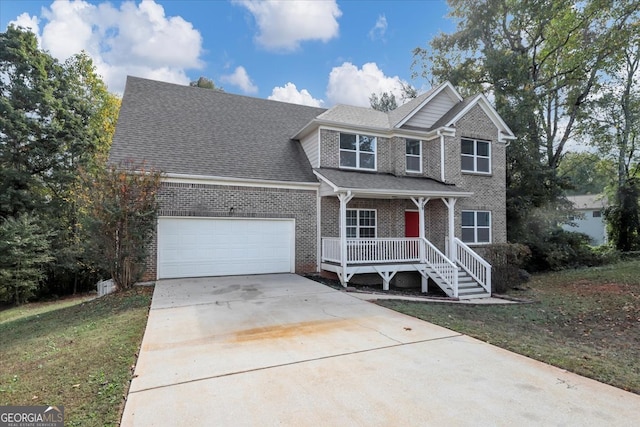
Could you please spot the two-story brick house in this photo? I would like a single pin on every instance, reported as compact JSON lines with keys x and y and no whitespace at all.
{"x":257,"y":186}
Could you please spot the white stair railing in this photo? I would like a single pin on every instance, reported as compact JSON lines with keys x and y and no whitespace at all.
{"x":473,"y":264}
{"x":441,"y":265}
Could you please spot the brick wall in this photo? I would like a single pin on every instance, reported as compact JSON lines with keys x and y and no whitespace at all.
{"x":390,"y":154}
{"x":216,"y":201}
{"x":489,"y":191}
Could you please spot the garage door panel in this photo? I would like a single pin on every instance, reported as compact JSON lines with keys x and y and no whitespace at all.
{"x":196,"y":247}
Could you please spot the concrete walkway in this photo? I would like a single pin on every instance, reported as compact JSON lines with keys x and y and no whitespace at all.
{"x":283,"y":350}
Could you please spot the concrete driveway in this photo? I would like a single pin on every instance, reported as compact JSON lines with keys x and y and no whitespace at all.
{"x":283,"y":350}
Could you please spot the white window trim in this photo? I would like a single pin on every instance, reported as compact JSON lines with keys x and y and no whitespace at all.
{"x":357,"y":151}
{"x":419,"y":156}
{"x":357,"y":226}
{"x":475,"y":156}
{"x":475,"y":228}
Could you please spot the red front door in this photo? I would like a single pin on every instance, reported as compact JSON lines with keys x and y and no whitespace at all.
{"x":411,"y":224}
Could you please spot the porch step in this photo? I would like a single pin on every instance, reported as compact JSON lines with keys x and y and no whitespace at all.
{"x":468,"y":288}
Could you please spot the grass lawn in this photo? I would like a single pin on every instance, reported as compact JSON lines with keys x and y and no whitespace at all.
{"x":77,"y":353}
{"x":586,"y":321}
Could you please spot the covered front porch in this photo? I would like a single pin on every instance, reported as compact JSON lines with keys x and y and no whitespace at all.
{"x":458,"y":270}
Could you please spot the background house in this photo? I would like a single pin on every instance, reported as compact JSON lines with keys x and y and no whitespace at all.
{"x":590,"y":217}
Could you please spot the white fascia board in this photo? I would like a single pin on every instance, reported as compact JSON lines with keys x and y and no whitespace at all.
{"x":443,"y":86}
{"x":402,"y":193}
{"x":326,"y":180}
{"x":305,"y":130}
{"x":239,"y":182}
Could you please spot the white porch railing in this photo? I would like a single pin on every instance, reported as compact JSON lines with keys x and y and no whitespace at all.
{"x":442,"y":265}
{"x":474,"y":264}
{"x":372,"y":251}
{"x":331,"y":249}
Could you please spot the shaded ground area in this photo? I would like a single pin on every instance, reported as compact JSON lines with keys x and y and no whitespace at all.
{"x":586,"y":321}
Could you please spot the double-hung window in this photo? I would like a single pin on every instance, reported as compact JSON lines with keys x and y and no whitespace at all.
{"x":476,"y":226}
{"x":476,"y":156}
{"x":361,"y":223}
{"x":413,"y":155}
{"x":357,"y":151}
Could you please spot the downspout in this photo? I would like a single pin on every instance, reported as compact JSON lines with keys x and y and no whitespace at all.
{"x":318,"y":231}
{"x":439,"y":133}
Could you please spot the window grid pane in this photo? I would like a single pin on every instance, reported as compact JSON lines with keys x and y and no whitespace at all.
{"x":348,"y":159}
{"x":347,"y":141}
{"x":483,"y":148}
{"x":476,"y":226}
{"x":361,"y":223}
{"x":367,"y":161}
{"x":413,"y":163}
{"x":475,"y":156}
{"x":358,"y":151}
{"x":367,"y":143}
{"x":413,"y":147}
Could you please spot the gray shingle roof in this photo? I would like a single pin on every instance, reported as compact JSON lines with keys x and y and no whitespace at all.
{"x":194,"y":131}
{"x":356,"y":116}
{"x":385,"y":182}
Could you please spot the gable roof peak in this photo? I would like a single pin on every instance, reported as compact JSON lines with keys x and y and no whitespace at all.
{"x":403,"y":113}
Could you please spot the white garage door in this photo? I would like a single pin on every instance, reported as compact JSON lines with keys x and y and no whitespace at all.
{"x":200,"y":247}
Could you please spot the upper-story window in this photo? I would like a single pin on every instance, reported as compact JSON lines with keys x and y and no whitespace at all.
{"x":413,"y":155}
{"x":476,"y":156}
{"x":357,"y":151}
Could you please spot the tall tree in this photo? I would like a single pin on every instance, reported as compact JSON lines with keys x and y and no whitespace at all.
{"x":54,"y":119}
{"x":586,"y":173}
{"x":31,"y":121}
{"x":540,"y":61}
{"x":613,"y":126}
{"x":205,"y":83}
{"x":385,"y":102}
{"x":25,"y":253}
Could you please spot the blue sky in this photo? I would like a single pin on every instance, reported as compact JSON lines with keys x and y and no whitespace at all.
{"x":316,"y":53}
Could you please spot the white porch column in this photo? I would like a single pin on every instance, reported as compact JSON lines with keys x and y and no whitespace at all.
{"x":344,"y":199}
{"x":450,"y":203}
{"x":420,"y":203}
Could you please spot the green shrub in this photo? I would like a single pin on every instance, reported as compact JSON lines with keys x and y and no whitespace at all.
{"x":562,"y":249}
{"x":507,"y":260}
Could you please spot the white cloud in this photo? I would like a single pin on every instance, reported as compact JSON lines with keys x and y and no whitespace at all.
{"x":241,"y":79}
{"x":289,"y":93}
{"x":284,"y":24}
{"x":25,"y":20}
{"x":379,"y":30}
{"x":353,"y":86}
{"x":134,"y":39}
